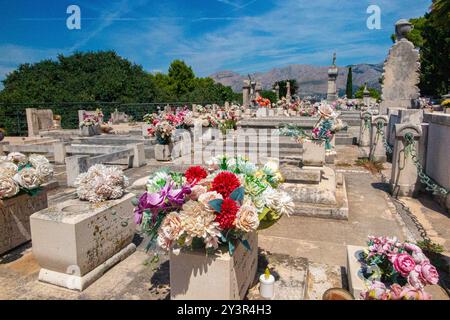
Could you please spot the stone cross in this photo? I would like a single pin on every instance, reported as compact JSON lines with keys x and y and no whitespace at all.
{"x":246,"y":93}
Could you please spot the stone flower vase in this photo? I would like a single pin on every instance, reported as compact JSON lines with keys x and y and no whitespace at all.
{"x":97,"y":129}
{"x":87,"y":131}
{"x":163,"y":152}
{"x":195,"y":275}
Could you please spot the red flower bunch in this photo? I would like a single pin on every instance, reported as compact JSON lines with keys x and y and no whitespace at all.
{"x":227,"y":214}
{"x":195,"y":174}
{"x":225,"y":183}
{"x":263,"y":102}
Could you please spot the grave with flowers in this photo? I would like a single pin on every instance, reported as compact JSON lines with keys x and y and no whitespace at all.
{"x":76,"y":241}
{"x":317,"y":189}
{"x":388,"y":269}
{"x":23,"y":190}
{"x":208,"y":218}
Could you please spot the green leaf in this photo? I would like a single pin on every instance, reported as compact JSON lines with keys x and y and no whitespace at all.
{"x":246,"y":244}
{"x":216,"y":204}
{"x":263,"y":214}
{"x":231,"y":247}
{"x":238,"y":194}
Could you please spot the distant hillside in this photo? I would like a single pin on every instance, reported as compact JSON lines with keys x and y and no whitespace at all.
{"x":312,"y":80}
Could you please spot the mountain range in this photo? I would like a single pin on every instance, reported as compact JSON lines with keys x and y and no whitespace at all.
{"x":312,"y":80}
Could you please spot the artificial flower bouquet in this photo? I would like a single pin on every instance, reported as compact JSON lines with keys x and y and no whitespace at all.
{"x":227,"y":120}
{"x":91,"y":119}
{"x":163,"y":126}
{"x":19,"y":173}
{"x":446,"y":103}
{"x":396,"y":270}
{"x":263,"y":102}
{"x":211,"y":207}
{"x":101,"y":183}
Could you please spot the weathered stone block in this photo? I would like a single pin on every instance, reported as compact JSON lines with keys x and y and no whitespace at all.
{"x":313,"y":153}
{"x":75,"y":242}
{"x":87,"y":131}
{"x":15,"y":218}
{"x":355,"y":277}
{"x":261,"y":113}
{"x":163,"y":152}
{"x":197,"y":276}
{"x":292,"y":173}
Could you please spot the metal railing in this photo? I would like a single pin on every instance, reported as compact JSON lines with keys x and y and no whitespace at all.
{"x":13,"y":116}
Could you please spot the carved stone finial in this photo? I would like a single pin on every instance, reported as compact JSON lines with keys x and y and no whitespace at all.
{"x":402,"y":28}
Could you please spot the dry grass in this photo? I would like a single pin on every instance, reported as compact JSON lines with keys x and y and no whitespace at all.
{"x":372,"y":166}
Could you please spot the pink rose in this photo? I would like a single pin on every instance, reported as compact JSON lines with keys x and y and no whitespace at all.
{"x":396,"y":291}
{"x":410,"y":293}
{"x":403,"y":263}
{"x":419,"y":258}
{"x":414,"y":279}
{"x":428,"y":273}
{"x":197,"y":191}
{"x":412,"y":247}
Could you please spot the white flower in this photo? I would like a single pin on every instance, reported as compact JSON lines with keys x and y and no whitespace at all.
{"x":247,"y":218}
{"x":17,"y":158}
{"x":199,"y":223}
{"x":285,"y":205}
{"x":36,"y":160}
{"x":28,"y":178}
{"x":101,"y":183}
{"x":197,"y":191}
{"x":44,"y":171}
{"x":8,"y":168}
{"x":271,"y":167}
{"x":205,"y":198}
{"x":8,"y":187}
{"x":169,"y":230}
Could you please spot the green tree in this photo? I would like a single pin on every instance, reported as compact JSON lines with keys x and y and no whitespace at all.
{"x":269,"y":94}
{"x":91,"y":76}
{"x":181,"y":77}
{"x":349,"y":88}
{"x":374,"y":93}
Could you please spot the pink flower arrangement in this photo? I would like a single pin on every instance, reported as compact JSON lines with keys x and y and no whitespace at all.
{"x":404,"y":270}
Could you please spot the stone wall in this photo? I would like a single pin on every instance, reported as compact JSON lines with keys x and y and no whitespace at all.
{"x":438,"y":151}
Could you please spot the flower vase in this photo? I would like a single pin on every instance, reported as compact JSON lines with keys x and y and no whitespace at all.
{"x":97,"y":129}
{"x":163,"y":152}
{"x":87,"y":131}
{"x":196,"y":275}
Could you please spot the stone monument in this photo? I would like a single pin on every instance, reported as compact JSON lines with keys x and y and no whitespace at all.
{"x":401,"y":73}
{"x":246,"y":93}
{"x":38,"y":120}
{"x":288,"y":92}
{"x":332,"y":77}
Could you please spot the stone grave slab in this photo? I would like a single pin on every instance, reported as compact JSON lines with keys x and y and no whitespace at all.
{"x":76,"y":242}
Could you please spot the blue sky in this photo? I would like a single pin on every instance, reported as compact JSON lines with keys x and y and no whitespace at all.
{"x":210,"y":35}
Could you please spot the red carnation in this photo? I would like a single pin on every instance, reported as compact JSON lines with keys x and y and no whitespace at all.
{"x":195,"y":174}
{"x":227,"y":214}
{"x":225,"y":183}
